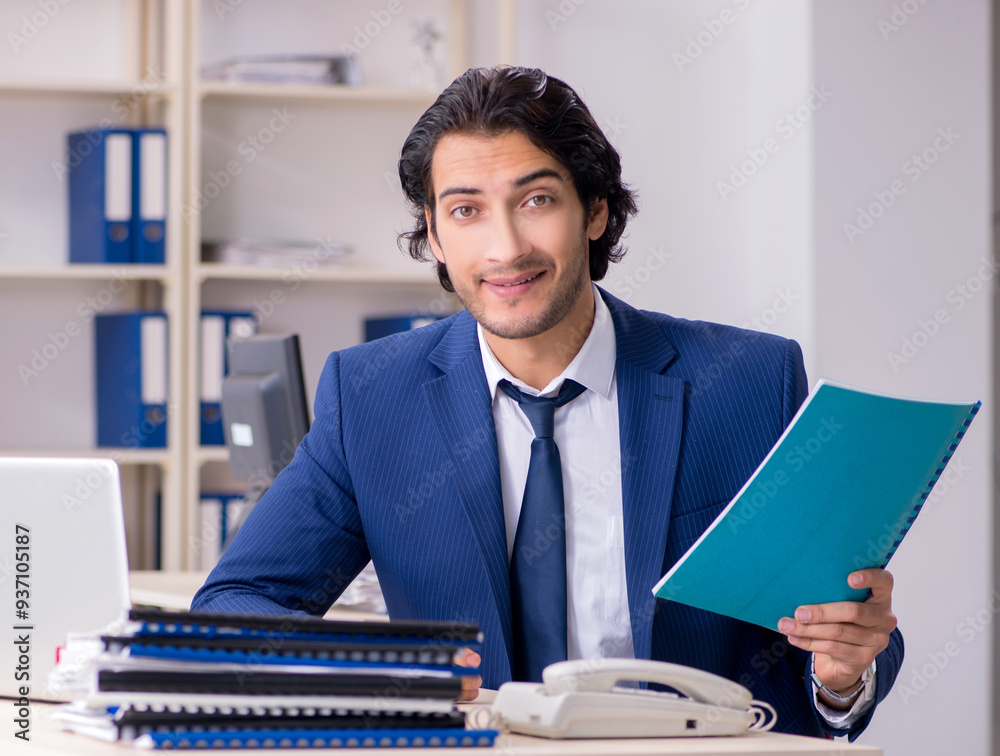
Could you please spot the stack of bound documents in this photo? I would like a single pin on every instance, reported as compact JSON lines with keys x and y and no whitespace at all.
{"x":177,"y":680}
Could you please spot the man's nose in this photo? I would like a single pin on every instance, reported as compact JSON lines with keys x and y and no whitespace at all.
{"x":507,"y":243}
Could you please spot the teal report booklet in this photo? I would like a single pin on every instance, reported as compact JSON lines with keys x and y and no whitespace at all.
{"x":837,"y":493}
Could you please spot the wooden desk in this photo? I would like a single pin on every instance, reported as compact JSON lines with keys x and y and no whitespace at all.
{"x":167,"y":590}
{"x":47,"y":740}
{"x":174,"y":590}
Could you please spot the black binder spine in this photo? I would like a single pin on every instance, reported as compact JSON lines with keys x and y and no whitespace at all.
{"x":253,"y":682}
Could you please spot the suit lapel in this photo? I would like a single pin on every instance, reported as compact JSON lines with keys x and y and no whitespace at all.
{"x":459,"y":401}
{"x":651,"y":414}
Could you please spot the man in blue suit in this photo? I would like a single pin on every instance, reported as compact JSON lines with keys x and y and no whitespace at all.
{"x":428,"y":457}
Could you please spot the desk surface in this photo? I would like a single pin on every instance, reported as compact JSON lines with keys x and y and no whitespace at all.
{"x":174,"y":590}
{"x":47,"y":740}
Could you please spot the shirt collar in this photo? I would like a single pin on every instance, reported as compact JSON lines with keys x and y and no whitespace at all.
{"x":593,"y":367}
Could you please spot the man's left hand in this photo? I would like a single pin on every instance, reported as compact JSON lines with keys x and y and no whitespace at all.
{"x":466,"y":657}
{"x":845,"y":636}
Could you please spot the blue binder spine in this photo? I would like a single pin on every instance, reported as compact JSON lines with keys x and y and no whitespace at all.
{"x":149,"y":198}
{"x":131,"y":360}
{"x":100,"y":196}
{"x":207,"y":548}
{"x":377,"y":328}
{"x":218,"y":328}
{"x":317,"y":738}
{"x":218,"y":514}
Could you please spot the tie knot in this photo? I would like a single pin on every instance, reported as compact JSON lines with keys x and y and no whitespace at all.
{"x":541,"y":410}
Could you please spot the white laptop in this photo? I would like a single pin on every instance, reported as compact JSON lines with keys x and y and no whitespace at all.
{"x":63,"y":563}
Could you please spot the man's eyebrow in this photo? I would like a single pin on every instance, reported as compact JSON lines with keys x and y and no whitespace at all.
{"x":459,"y":190}
{"x":541,"y":173}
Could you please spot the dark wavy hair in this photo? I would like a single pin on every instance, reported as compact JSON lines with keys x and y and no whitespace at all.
{"x":496,"y":101}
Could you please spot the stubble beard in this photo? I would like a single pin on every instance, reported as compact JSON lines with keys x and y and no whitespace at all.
{"x":562,"y":299}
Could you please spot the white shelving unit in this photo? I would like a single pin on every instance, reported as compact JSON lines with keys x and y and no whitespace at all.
{"x":89,"y":63}
{"x":137,"y":62}
{"x":309,"y":181}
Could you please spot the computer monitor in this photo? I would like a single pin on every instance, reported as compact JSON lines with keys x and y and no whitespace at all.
{"x":265,"y":413}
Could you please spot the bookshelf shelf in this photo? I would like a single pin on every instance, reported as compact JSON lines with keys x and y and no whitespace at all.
{"x":338,"y":93}
{"x":207,"y":454}
{"x":63,"y":89}
{"x":221,"y":271}
{"x":86,"y":272}
{"x":123,"y":456}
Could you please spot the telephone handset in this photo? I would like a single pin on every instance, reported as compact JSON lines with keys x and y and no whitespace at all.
{"x":581,"y":699}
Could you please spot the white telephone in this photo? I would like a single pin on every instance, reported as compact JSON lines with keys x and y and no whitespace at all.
{"x":580,"y":699}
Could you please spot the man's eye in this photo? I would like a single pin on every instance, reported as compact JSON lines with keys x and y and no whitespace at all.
{"x":463,"y":212}
{"x":539,"y":200}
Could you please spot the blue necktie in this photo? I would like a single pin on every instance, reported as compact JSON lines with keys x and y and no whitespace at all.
{"x":538,"y":564}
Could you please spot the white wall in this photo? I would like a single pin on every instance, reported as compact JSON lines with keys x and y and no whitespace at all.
{"x":680,"y":128}
{"x":679,"y":132}
{"x":894,"y":91}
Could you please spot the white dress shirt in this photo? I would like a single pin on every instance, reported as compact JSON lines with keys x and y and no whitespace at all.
{"x":586,"y":432}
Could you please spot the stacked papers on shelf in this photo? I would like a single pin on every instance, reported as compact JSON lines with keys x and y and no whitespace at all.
{"x":276,"y":252}
{"x":188,"y":680}
{"x":288,"y":69}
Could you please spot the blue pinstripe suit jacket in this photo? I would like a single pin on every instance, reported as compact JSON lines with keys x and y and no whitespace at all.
{"x":401,"y":467}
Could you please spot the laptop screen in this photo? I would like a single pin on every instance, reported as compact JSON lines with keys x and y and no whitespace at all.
{"x":63,"y":562}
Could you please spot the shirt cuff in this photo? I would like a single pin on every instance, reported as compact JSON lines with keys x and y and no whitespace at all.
{"x":844,"y":720}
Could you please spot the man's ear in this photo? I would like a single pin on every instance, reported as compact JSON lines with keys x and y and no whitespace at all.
{"x":598,"y":218}
{"x":432,"y":236}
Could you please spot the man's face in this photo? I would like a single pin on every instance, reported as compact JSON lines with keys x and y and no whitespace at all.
{"x":512,"y":231}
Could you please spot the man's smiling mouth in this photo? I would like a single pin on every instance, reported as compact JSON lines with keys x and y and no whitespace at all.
{"x":522,"y":281}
